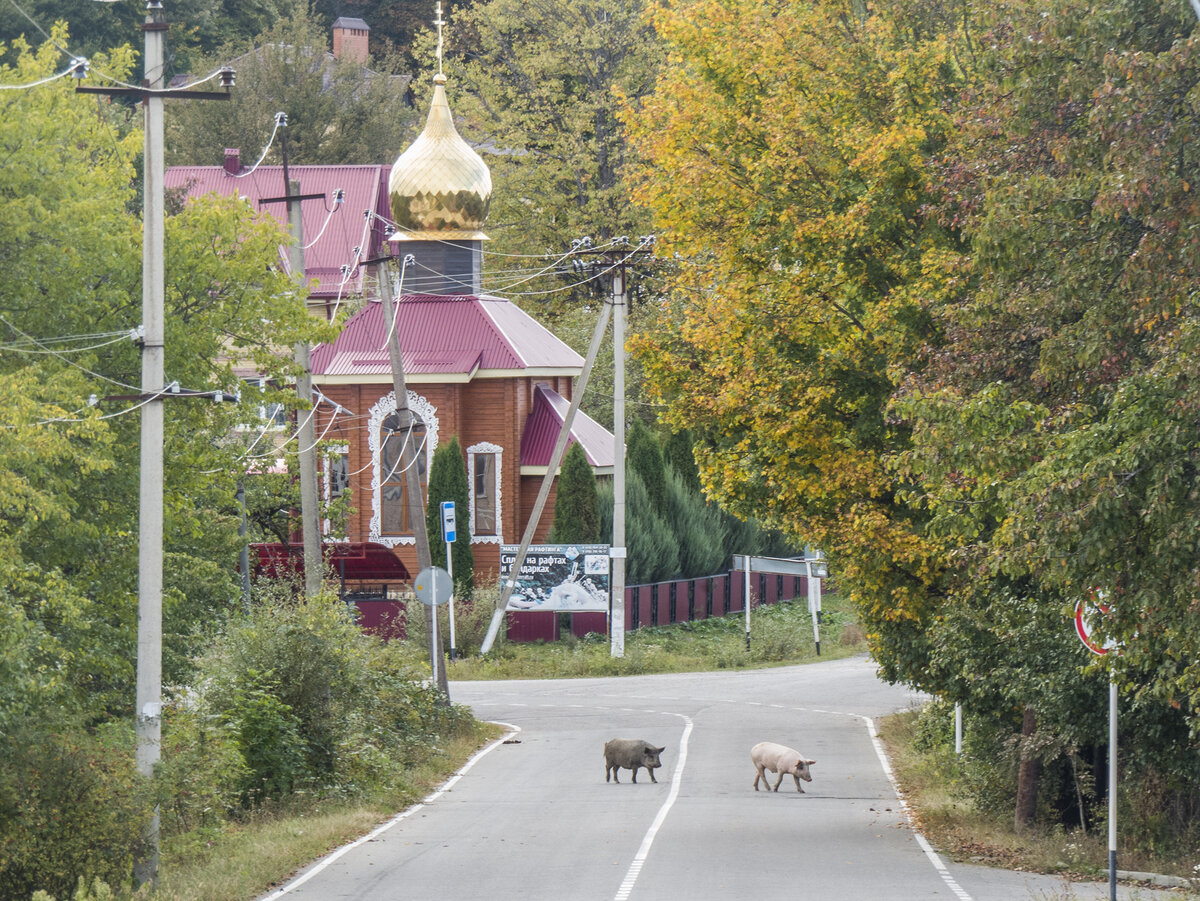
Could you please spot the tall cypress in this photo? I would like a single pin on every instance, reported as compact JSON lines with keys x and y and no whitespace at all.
{"x":448,"y":482}
{"x":644,"y":457}
{"x":576,"y":510}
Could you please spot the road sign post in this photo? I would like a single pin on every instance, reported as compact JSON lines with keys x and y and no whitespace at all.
{"x":448,"y":535}
{"x":1087,"y":612}
{"x":432,"y":588}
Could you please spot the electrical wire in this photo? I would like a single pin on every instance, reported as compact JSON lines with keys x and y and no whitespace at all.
{"x":338,"y":196}
{"x":70,"y":70}
{"x":23,"y":349}
{"x":280,"y":121}
{"x":55,"y":353}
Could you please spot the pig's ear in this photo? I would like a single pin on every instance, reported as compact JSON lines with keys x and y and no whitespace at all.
{"x":811,"y":762}
{"x":660,"y":750}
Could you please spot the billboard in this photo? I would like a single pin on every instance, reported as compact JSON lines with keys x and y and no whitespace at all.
{"x":570,"y":577}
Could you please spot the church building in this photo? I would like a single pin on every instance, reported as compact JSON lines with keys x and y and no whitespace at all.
{"x":476,"y":366}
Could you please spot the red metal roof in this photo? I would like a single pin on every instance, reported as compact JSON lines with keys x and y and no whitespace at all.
{"x":457,"y":335}
{"x":333,"y":237}
{"x":358,"y":561}
{"x":545,"y":421}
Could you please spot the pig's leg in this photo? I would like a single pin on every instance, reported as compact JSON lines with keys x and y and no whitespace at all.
{"x":635,"y":769}
{"x":798,"y":788}
{"x":779,"y":781}
{"x":651,"y":772}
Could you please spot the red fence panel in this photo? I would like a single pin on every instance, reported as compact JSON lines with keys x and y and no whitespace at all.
{"x":531,"y":625}
{"x":700,"y":599}
{"x":772,"y":589}
{"x":382,"y":618}
{"x":662,"y":593}
{"x":583,"y":623}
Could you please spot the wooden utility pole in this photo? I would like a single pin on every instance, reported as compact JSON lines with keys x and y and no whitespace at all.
{"x":414,"y":497}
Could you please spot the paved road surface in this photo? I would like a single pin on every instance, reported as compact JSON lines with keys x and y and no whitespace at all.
{"x":532,"y":818}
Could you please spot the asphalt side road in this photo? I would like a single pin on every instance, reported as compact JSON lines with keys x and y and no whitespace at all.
{"x":531,"y":816}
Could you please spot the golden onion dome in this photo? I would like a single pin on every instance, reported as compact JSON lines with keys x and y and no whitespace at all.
{"x":440,"y":184}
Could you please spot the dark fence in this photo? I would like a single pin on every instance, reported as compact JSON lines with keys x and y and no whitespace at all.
{"x":663,"y":603}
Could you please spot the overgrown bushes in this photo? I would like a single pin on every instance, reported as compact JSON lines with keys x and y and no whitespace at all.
{"x":291,"y":696}
{"x":1157,"y":810}
{"x":71,"y":804}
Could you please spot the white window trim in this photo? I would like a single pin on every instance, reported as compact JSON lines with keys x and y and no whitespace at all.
{"x":383,"y":408}
{"x":342,"y":450}
{"x":485,"y":447}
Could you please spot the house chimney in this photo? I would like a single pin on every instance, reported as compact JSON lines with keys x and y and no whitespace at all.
{"x":233,"y":161}
{"x":350,"y":39}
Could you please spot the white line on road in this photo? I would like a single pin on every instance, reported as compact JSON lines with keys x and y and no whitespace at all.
{"x":379,"y":830}
{"x":921,"y":840}
{"x":639,"y":859}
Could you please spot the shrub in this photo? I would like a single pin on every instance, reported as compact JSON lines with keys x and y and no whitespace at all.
{"x":202,"y":772}
{"x":312,"y":699}
{"x":72,"y":806}
{"x":472,"y":616}
{"x":268,"y":735}
{"x":308,"y":655}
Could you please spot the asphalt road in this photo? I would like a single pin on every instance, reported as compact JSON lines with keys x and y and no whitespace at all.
{"x":531,"y":817}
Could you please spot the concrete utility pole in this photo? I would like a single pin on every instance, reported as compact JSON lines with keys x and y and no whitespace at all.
{"x":148,"y":697}
{"x":310,"y":508}
{"x":617,"y":552}
{"x":408,"y":462}
{"x":148,"y":702}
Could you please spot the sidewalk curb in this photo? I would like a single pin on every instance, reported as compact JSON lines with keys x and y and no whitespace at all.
{"x":1155,"y":879}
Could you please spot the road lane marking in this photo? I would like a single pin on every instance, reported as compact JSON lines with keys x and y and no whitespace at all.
{"x":379,"y":830}
{"x":933,"y":856}
{"x":635,"y":868}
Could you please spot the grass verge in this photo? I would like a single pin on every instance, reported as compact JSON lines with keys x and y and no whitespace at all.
{"x":963,"y":833}
{"x":259,"y":853}
{"x":780,"y":634}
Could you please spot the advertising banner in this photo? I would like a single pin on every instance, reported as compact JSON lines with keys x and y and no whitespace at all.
{"x":570,"y":577}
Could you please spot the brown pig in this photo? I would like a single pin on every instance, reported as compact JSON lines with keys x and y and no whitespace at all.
{"x":630,"y":753}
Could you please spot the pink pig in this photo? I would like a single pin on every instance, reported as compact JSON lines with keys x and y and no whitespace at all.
{"x":767,"y":755}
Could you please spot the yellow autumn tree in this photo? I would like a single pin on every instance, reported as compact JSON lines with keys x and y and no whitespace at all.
{"x":787,"y":150}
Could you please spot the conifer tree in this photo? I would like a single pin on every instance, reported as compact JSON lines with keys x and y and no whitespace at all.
{"x":645,"y":457}
{"x":448,"y":482}
{"x":576,"y":509}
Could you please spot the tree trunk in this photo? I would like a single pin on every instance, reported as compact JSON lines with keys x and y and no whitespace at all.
{"x":1028,"y":774}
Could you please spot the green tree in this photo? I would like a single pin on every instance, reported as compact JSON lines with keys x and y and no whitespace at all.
{"x":541,"y":84}
{"x":68,"y":467}
{"x":448,"y":482}
{"x":800,"y":142}
{"x":677,"y":453}
{"x":644,"y":456}
{"x":338,"y":112}
{"x":698,"y":526}
{"x":576,"y":514}
{"x":1068,"y":367}
{"x":197,"y":27}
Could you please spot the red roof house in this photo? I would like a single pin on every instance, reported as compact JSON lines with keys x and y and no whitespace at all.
{"x":475,"y":366}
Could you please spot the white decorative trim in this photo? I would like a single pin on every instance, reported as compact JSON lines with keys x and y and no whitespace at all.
{"x":383,"y":408}
{"x":326,"y":526}
{"x":485,"y":447}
